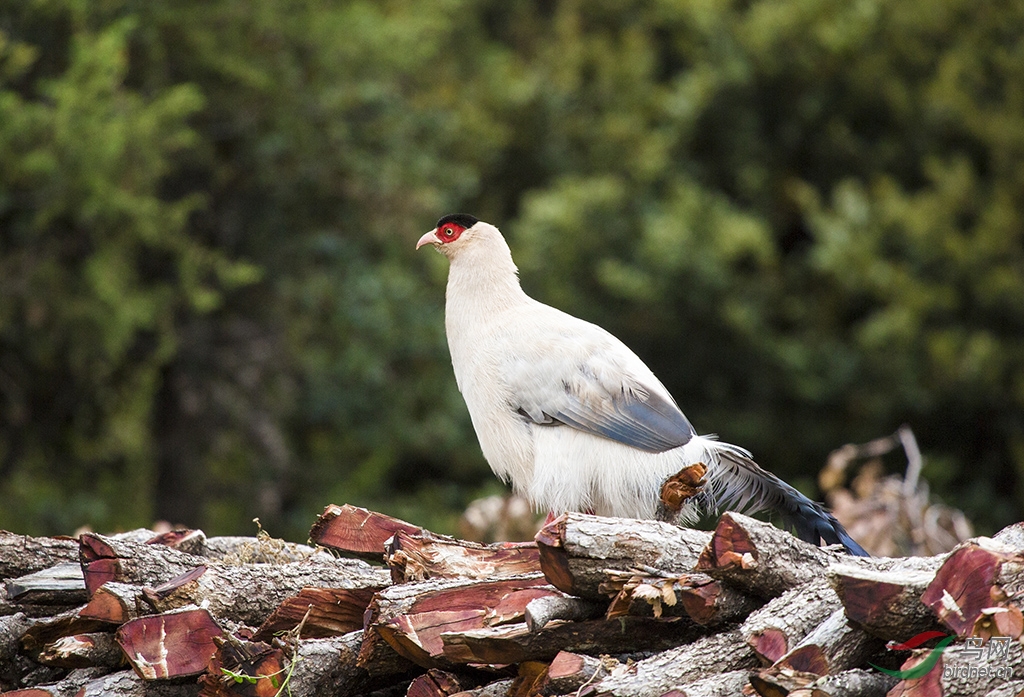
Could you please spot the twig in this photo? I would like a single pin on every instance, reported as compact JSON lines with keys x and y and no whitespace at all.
{"x":914,"y":459}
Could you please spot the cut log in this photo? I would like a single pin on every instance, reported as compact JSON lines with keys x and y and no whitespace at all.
{"x":498,"y":688}
{"x":1012,"y":536}
{"x":243,"y":593}
{"x":514,"y":643}
{"x":50,"y":629}
{"x":982,"y":669}
{"x":69,"y":686}
{"x":379,"y":659}
{"x":979,"y":576}
{"x":411,"y":617}
{"x":327,"y":666}
{"x":887,"y":603}
{"x":261,"y":549}
{"x":250,"y":593}
{"x":569,"y":672}
{"x":21,"y":555}
{"x":83,"y":651}
{"x":541,"y":611}
{"x":719,"y":653}
{"x":244,"y":668}
{"x":851,"y":683}
{"x":170,"y":645}
{"x":126,"y":683}
{"x":110,"y":559}
{"x":727,"y":684}
{"x":312,"y":667}
{"x":426,"y":555}
{"x":116,"y":603}
{"x":576,"y":550}
{"x":435,"y":683}
{"x":927,"y":685}
{"x":356,"y":531}
{"x":697,"y":596}
{"x":58,"y":585}
{"x":834,"y":646}
{"x":760,"y":558}
{"x":781,"y":623}
{"x":323,"y":612}
{"x":12,"y":627}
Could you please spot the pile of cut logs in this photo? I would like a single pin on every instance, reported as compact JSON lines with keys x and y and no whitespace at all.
{"x":595,"y":606}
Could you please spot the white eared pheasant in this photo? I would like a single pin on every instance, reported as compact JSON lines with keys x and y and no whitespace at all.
{"x":572,"y":417}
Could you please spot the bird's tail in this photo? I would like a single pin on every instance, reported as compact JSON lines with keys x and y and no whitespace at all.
{"x":738,"y":483}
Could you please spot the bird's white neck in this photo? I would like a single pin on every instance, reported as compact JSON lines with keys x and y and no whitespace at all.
{"x":483,"y":280}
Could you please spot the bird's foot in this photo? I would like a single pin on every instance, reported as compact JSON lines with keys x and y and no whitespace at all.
{"x":682,"y":486}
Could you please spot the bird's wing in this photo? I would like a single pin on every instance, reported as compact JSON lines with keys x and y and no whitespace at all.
{"x":578,"y":375}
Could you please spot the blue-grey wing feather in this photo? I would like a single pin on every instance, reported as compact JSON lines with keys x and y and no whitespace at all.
{"x":647,"y":421}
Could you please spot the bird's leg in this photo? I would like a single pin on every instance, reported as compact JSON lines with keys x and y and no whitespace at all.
{"x":680,"y":488}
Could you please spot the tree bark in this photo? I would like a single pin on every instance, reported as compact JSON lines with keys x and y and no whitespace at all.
{"x":255,"y":550}
{"x":250,"y":593}
{"x":515,"y":643}
{"x":832,"y":647}
{"x":786,"y":620}
{"x":69,"y":686}
{"x":783,"y":622}
{"x":498,"y":688}
{"x":727,"y":684}
{"x":126,"y":683}
{"x":541,"y":611}
{"x":719,"y":653}
{"x":761,"y":559}
{"x":856,"y":682}
{"x":12,"y":627}
{"x":116,"y":603}
{"x":110,"y":559}
{"x":576,"y":550}
{"x":21,"y":555}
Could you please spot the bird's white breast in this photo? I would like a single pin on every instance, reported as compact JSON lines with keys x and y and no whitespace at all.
{"x":478,"y":340}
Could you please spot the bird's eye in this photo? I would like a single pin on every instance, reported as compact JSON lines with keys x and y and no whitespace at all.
{"x":448,"y":232}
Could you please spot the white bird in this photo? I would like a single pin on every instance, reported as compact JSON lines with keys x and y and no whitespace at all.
{"x":572,"y":417}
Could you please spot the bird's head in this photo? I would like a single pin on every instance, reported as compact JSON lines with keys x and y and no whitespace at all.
{"x":452,"y":233}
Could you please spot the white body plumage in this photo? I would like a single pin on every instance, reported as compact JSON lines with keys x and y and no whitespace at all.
{"x":504,"y":343}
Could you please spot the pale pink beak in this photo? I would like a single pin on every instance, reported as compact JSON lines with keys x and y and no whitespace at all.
{"x":429,"y":238}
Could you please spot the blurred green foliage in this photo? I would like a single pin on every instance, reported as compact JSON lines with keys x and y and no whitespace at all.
{"x":806,"y":215}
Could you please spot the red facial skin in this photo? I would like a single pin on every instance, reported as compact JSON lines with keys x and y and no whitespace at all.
{"x":449,"y":232}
